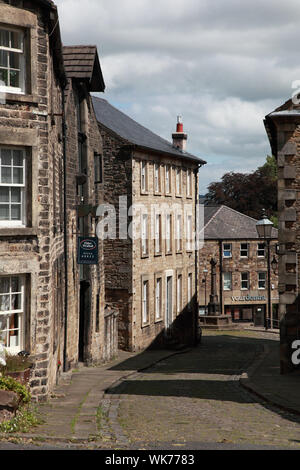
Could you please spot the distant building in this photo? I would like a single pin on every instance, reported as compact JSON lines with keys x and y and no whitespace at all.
{"x":151,"y":278}
{"x":231,"y":239}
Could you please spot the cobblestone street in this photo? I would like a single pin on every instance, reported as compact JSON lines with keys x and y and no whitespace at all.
{"x":196,"y":397}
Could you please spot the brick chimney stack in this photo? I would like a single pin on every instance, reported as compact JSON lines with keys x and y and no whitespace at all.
{"x":179,"y":137}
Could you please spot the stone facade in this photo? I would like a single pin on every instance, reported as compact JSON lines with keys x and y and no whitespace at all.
{"x":283,"y":128}
{"x":31,"y":248}
{"x":243,"y":303}
{"x":154,"y":290}
{"x":49,"y":306}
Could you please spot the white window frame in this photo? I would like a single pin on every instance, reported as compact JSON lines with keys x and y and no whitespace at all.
{"x":179,"y":232}
{"x":10,"y":312}
{"x":145,"y":301}
{"x":189,"y":183}
{"x":227,"y":282}
{"x":9,"y":223}
{"x":259,"y":250}
{"x":244,"y":250}
{"x":6,"y":88}
{"x":145,"y":234}
{"x":168,"y":181}
{"x":168,"y":233}
{"x":245,"y":280}
{"x":264,"y":280}
{"x":178,"y":181}
{"x":227,"y":250}
{"x":158,"y":298}
{"x":157,"y":179}
{"x":144,"y":176}
{"x":189,"y":235}
{"x":190,"y":287}
{"x":179,"y":293}
{"x":158,"y":230}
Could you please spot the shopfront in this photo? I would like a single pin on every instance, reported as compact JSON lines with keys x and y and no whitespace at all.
{"x":251,"y":309}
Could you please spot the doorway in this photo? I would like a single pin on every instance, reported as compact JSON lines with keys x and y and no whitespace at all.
{"x":84,"y":309}
{"x":169,"y":304}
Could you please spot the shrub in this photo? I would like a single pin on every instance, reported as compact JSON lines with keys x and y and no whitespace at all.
{"x":10,"y":384}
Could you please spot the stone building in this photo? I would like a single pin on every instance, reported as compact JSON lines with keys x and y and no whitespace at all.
{"x":91,"y":324}
{"x":48,"y":166}
{"x":231,"y":240}
{"x":283,"y":129}
{"x":151,"y":188}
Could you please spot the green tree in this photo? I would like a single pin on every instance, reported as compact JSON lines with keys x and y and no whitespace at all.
{"x":248,"y":193}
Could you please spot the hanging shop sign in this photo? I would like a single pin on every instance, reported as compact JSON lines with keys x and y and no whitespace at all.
{"x":88,"y":249}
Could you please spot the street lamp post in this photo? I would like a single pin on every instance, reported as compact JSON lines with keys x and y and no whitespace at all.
{"x":264,"y":229}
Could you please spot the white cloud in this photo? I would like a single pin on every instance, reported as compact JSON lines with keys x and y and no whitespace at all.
{"x":222,"y":65}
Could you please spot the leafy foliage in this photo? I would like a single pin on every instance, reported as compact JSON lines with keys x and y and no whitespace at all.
{"x":248,"y":193}
{"x":10,"y":384}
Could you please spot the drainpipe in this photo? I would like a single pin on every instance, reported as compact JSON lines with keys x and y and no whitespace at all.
{"x":196,"y":256}
{"x":64,"y":128}
{"x":221,"y":275}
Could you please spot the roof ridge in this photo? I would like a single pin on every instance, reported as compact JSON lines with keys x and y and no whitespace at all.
{"x":164,"y":141}
{"x":214,"y":215}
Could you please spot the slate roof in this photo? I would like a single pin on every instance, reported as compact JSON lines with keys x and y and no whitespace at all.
{"x":224,"y":223}
{"x":82,"y":62}
{"x":133,"y":132}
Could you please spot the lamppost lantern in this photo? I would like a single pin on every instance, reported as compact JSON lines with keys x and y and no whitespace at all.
{"x":264,"y":230}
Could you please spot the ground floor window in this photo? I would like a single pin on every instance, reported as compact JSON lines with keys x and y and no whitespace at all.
{"x":12,"y":313}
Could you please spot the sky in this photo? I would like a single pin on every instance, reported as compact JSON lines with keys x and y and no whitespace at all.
{"x":221,"y":65}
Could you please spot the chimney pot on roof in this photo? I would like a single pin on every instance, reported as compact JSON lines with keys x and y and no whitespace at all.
{"x":179,"y":137}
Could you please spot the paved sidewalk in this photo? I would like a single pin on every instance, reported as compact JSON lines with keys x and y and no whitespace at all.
{"x":78,"y":411}
{"x":82,"y":409}
{"x":264,"y":379}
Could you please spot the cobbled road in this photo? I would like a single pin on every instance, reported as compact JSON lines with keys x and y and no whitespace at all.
{"x":195,"y":397}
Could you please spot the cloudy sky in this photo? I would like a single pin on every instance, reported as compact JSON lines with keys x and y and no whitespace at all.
{"x":222,"y":65}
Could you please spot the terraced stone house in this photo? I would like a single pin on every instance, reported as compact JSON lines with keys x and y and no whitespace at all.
{"x":151,"y":186}
{"x":50,"y":185}
{"x":241,"y":267}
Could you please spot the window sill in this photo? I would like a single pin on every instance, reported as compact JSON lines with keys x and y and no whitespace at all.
{"x":19,"y":98}
{"x":18,"y":232}
{"x":145,"y":325}
{"x":158,"y":254}
{"x":145,"y":256}
{"x":158,"y":320}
